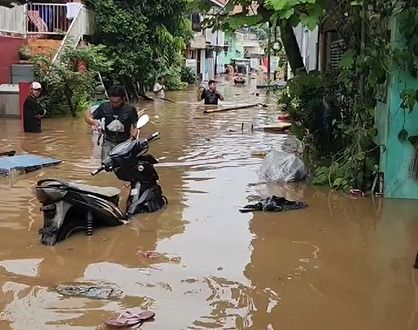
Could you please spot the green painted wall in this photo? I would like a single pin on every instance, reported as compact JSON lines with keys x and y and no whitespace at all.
{"x":235,"y":50}
{"x":397,"y":156}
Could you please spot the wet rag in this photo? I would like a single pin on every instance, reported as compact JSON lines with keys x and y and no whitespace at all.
{"x":274,"y":204}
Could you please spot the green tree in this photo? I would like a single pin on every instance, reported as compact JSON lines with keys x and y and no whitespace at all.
{"x":67,"y":89}
{"x":145,"y":38}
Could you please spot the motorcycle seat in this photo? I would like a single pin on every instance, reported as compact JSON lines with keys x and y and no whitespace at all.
{"x":108,"y":192}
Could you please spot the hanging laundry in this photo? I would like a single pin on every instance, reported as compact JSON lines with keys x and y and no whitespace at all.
{"x":72,"y":9}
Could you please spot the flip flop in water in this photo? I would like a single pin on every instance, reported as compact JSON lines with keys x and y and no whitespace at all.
{"x":128,"y":318}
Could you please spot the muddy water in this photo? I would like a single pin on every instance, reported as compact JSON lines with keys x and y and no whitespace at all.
{"x":340,"y":264}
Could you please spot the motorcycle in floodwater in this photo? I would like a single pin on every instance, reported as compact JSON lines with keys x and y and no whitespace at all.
{"x":71,"y":207}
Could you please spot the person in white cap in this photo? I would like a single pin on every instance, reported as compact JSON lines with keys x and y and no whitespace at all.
{"x":32,"y":110}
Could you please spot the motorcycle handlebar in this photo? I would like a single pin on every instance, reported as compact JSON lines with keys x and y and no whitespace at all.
{"x":95,"y":172}
{"x":154,"y":136}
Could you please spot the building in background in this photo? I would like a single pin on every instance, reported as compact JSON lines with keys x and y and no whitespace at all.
{"x":206,"y":52}
{"x":37,"y":29}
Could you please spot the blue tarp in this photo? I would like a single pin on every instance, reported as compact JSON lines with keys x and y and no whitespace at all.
{"x":26,"y":163}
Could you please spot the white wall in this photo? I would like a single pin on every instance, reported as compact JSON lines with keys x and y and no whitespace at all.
{"x":215,"y":38}
{"x":203,"y":64}
{"x":12,"y":20}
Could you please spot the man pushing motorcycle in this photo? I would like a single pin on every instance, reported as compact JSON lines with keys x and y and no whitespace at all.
{"x":120,"y":119}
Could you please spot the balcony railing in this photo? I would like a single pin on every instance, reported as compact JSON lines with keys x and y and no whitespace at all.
{"x":43,"y":19}
{"x":47,"y":18}
{"x":81,"y":25}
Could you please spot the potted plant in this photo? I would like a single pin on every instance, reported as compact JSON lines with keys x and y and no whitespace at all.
{"x":24,"y":53}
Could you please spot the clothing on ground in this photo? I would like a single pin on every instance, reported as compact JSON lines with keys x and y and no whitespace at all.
{"x":274,"y":204}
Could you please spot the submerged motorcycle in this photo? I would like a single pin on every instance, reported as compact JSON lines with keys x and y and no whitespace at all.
{"x":69,"y":207}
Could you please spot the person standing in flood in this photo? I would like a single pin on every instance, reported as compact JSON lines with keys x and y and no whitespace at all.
{"x":210,"y":95}
{"x":159,"y":88}
{"x":119,"y":117}
{"x":32,"y":110}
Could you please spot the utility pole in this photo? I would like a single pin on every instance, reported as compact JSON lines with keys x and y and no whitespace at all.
{"x":268,"y":55}
{"x":216,"y":54}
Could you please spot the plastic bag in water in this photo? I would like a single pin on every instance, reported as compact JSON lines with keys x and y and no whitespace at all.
{"x":281,"y":166}
{"x":116,"y":126}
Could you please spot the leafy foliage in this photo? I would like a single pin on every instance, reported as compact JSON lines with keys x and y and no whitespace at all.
{"x":307,"y":12}
{"x":187,"y":75}
{"x":172,"y":78}
{"x":143,"y":37}
{"x":66,"y":89}
{"x":334,"y":114}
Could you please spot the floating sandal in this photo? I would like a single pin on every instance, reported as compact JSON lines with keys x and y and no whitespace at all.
{"x":128,"y":318}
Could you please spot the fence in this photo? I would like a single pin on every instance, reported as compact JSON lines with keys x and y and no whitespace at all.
{"x":43,"y":19}
{"x":80,"y":26}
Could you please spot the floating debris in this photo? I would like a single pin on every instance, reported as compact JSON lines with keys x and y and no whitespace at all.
{"x":90,"y":290}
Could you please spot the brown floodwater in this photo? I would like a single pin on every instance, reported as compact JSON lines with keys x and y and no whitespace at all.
{"x":342,"y":263}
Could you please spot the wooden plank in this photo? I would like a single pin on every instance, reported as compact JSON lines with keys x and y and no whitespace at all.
{"x":280,"y":127}
{"x":236,"y":107}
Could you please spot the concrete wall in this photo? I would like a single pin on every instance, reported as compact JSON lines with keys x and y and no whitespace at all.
{"x":9,"y":48}
{"x":397,"y":156}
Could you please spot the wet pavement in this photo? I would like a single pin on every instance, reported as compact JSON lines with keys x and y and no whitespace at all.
{"x":342,"y":263}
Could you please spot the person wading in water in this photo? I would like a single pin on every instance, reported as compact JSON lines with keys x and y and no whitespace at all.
{"x":211,"y":95}
{"x":119,"y":119}
{"x":32,"y":110}
{"x":159,"y":88}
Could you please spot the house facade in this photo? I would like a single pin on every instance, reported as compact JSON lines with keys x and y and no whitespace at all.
{"x":35,"y":29}
{"x":205,"y":54}
{"x":244,"y":46}
{"x":42,"y":29}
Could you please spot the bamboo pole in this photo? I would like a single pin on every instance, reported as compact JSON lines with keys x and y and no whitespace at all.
{"x":243,"y":106}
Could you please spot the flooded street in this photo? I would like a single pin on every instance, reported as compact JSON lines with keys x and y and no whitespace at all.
{"x":342,"y":263}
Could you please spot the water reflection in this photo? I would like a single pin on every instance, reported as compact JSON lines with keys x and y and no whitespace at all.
{"x":340,"y":263}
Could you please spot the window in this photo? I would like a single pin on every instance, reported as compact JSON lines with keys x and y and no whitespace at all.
{"x":196,"y":22}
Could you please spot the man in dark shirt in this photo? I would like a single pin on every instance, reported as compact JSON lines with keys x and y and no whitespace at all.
{"x":119,"y":119}
{"x":211,"y":95}
{"x":32,"y":110}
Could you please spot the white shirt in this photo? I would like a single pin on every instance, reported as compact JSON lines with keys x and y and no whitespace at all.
{"x":159,"y":90}
{"x":72,"y":9}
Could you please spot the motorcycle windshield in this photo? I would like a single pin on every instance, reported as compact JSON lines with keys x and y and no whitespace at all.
{"x":122,"y":149}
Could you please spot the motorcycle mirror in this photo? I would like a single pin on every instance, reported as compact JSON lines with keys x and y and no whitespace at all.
{"x":142,"y":121}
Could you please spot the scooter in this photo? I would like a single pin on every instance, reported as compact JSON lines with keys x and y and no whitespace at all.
{"x":69,"y":207}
